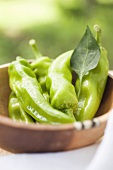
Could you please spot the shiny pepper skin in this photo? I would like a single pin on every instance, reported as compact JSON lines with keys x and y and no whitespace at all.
{"x":40,"y":68}
{"x":24,"y":84}
{"x":16,"y":112}
{"x":59,"y":84}
{"x":92,"y":89}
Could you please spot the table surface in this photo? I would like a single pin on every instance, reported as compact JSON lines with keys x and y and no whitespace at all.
{"x":4,"y":152}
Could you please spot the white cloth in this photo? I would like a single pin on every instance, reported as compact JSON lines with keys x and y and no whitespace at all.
{"x":103,"y":158}
{"x":94,"y":157}
{"x":70,"y":160}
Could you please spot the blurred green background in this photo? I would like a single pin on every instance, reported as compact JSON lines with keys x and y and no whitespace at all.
{"x":57,"y":26}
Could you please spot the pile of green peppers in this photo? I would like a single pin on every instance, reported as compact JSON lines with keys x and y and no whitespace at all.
{"x":43,"y":91}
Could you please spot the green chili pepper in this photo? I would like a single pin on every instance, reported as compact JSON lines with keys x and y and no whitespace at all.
{"x":59,"y":84}
{"x":93,"y":85}
{"x":24,"y":84}
{"x":14,"y":108}
{"x":16,"y":112}
{"x":40,"y":65}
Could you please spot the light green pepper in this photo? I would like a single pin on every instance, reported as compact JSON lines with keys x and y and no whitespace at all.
{"x":40,"y":65}
{"x":59,"y":84}
{"x":93,"y":85}
{"x":16,"y":112}
{"x":24,"y":84}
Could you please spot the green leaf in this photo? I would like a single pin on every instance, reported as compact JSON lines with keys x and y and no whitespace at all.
{"x":86,"y":56}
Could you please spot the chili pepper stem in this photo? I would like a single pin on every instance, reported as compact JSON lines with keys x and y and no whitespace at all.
{"x":97,"y":29}
{"x":32,"y":43}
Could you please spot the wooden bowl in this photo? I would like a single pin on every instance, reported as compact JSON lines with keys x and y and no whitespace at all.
{"x":19,"y":137}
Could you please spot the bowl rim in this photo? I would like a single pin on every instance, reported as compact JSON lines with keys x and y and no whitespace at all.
{"x":85,"y":125}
